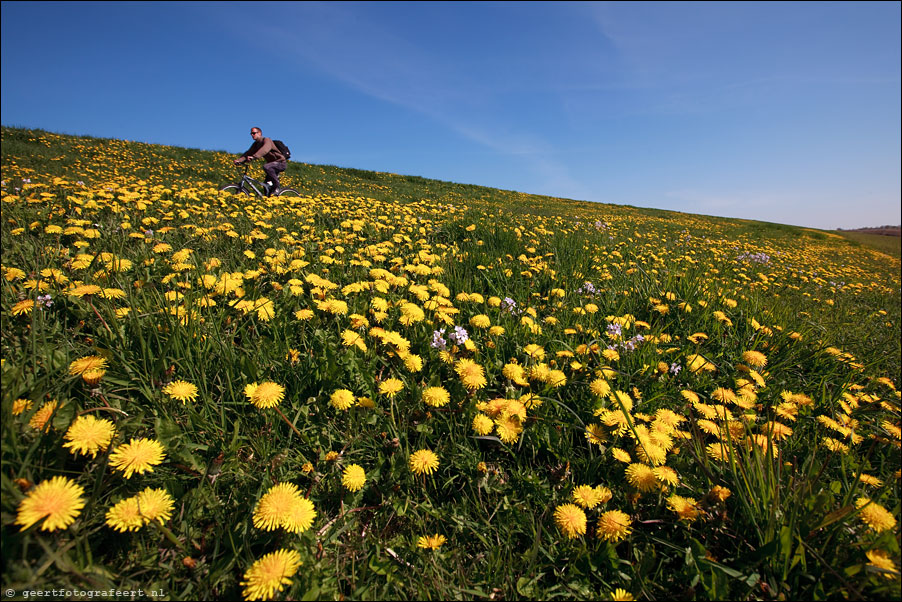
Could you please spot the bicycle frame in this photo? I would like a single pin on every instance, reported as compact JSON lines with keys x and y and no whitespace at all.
{"x":246,"y":180}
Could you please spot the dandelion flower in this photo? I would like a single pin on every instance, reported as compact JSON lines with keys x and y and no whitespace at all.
{"x":431,"y":542}
{"x":58,"y":500}
{"x":87,"y":435}
{"x":614,"y":526}
{"x":137,"y":456}
{"x":21,"y":405}
{"x":436,"y":396}
{"x":125,"y":516}
{"x":881,"y":561}
{"x":621,"y":595}
{"x":42,"y":416}
{"x":391,"y":387}
{"x":423,"y":461}
{"x":181,"y":390}
{"x":874,"y":515}
{"x":642,"y":477}
{"x":508,"y":428}
{"x":283,"y":506}
{"x":23,"y":307}
{"x":600,"y":387}
{"x":471,"y":374}
{"x":265,"y":395}
{"x":621,"y":455}
{"x":684,"y":507}
{"x":586,"y":496}
{"x":86,"y":364}
{"x":155,"y":505}
{"x":354,"y":477}
{"x":342,"y":399}
{"x":755,"y":359}
{"x":515,"y":374}
{"x":570,"y":519}
{"x":482,"y":424}
{"x":269,"y":575}
{"x":595,"y":433}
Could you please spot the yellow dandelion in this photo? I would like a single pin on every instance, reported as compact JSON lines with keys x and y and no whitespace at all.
{"x":570,"y":519}
{"x":42,"y":416}
{"x":349,"y":338}
{"x":155,"y":505}
{"x":265,"y":395}
{"x":719,"y":451}
{"x":471,"y":374}
{"x":874,"y":515}
{"x":391,"y":387}
{"x":595,"y":434}
{"x":614,"y":526}
{"x":508,"y":428}
{"x":431,"y":542}
{"x":137,"y":456}
{"x":284,"y":507}
{"x":353,"y":478}
{"x":621,"y":455}
{"x":87,"y":435}
{"x":181,"y":390}
{"x":684,"y":507}
{"x":22,"y":405}
{"x":86,"y":364}
{"x":587,"y":496}
{"x":269,"y":575}
{"x":23,"y":307}
{"x":515,"y":374}
{"x":92,"y":377}
{"x":482,"y":424}
{"x":423,"y":461}
{"x":621,"y":595}
{"x":480,"y":321}
{"x":125,"y":516}
{"x":436,"y":396}
{"x":881,"y":561}
{"x":642,"y":477}
{"x":755,"y":359}
{"x":342,"y":399}
{"x":59,"y":501}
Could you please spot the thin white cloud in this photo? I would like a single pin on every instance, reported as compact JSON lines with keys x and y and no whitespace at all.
{"x":337,"y":41}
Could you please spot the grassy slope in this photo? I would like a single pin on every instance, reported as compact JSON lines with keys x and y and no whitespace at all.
{"x":508,"y":546}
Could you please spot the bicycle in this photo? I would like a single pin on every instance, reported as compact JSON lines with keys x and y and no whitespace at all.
{"x":246,"y":184}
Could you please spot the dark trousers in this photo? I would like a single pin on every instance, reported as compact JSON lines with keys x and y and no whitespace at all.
{"x":273,"y":169}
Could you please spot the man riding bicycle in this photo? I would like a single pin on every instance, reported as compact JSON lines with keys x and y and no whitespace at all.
{"x":275,"y":161}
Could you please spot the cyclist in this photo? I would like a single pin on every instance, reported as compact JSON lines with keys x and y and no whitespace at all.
{"x":274,"y":160}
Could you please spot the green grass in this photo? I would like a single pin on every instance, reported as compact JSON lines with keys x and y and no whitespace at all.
{"x":145,"y":224}
{"x":891,"y":245}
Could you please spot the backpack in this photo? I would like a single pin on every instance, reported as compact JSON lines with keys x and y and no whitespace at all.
{"x":282,"y":148}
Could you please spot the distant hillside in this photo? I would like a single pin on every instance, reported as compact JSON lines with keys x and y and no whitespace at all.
{"x":881,"y":230}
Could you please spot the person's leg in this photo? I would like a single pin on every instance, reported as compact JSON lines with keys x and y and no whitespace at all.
{"x":273,"y":169}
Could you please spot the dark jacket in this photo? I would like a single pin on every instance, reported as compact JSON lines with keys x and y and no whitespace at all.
{"x":263,"y":148}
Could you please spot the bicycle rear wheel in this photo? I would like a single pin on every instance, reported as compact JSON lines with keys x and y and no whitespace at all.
{"x":234,"y":189}
{"x":289,"y":192}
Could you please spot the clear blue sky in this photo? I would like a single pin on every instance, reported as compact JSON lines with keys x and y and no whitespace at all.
{"x":783,"y":112}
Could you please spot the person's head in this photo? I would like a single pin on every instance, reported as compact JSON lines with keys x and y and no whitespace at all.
{"x":256,"y":132}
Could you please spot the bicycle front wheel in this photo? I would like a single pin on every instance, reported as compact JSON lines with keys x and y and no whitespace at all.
{"x":234,"y":189}
{"x":290,"y":192}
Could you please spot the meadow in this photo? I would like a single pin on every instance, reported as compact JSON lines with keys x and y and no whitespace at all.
{"x":399,"y":388}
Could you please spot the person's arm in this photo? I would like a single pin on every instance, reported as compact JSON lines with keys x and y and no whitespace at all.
{"x":265,"y":147}
{"x":248,"y":155}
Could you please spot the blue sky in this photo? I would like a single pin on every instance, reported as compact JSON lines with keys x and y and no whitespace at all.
{"x":782,"y":112}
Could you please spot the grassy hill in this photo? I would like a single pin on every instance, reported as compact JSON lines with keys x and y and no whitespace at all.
{"x":400,"y":388}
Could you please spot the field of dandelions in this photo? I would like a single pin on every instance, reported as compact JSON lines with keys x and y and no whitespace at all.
{"x":396,"y":388}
